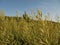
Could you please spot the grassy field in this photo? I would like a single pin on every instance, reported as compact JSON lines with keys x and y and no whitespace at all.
{"x":27,"y":31}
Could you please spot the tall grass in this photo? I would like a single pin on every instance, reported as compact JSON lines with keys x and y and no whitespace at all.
{"x":27,"y":31}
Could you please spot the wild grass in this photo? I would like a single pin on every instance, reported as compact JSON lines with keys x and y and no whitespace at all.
{"x":27,"y":31}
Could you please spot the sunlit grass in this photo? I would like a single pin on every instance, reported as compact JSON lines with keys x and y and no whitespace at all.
{"x":27,"y":31}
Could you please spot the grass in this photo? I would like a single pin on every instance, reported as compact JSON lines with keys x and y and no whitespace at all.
{"x":27,"y":31}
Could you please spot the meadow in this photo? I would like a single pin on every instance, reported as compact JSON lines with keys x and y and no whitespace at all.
{"x":15,"y":30}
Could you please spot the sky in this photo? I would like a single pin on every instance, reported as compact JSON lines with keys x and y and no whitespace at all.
{"x":10,"y":6}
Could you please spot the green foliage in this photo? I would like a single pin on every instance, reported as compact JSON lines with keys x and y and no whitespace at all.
{"x":25,"y":16}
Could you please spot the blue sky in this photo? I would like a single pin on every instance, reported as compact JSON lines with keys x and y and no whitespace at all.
{"x":10,"y":6}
